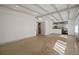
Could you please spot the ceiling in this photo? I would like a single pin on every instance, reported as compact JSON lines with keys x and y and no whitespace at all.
{"x":53,"y":12}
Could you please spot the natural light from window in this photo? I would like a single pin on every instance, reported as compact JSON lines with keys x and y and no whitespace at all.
{"x":60,"y":47}
{"x":76,"y":29}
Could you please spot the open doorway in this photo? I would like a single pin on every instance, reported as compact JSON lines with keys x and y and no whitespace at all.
{"x":38,"y":28}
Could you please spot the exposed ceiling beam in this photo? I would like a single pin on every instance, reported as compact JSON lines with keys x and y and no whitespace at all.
{"x":42,"y":18}
{"x":76,"y":16}
{"x":46,"y":11}
{"x":76,"y":13}
{"x":54,"y":17}
{"x":54,"y":6}
{"x":49,"y":18}
{"x":29,"y":9}
{"x":59,"y":11}
{"x":68,"y":12}
{"x":4,"y":6}
{"x":41,"y":8}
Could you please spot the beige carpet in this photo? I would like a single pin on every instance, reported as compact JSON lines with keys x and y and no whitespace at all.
{"x":42,"y":45}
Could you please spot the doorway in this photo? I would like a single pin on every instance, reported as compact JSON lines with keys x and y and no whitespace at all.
{"x":38,"y":28}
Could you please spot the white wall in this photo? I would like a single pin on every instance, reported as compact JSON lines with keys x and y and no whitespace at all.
{"x":1,"y":29}
{"x":48,"y":27}
{"x":43,"y":28}
{"x":15,"y":26}
{"x":71,"y":24}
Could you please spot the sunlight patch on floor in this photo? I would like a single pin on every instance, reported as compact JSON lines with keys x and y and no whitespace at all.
{"x":60,"y":47}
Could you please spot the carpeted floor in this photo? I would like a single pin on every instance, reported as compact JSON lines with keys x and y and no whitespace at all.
{"x":41,"y":45}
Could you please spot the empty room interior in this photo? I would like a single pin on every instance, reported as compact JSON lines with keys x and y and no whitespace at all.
{"x":39,"y":29}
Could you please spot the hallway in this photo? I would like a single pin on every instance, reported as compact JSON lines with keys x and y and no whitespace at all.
{"x":42,"y":45}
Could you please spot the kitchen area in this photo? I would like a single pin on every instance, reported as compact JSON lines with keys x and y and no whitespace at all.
{"x":60,"y":28}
